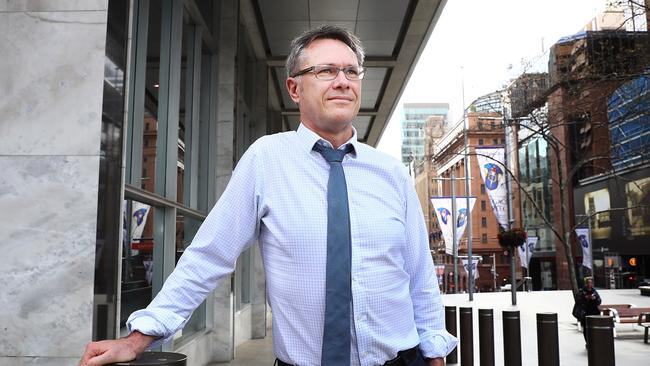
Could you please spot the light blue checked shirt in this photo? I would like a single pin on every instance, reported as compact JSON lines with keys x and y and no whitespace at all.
{"x":278,"y":195}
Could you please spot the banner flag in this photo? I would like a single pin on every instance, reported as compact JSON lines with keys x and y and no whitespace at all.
{"x":585,"y":242}
{"x":474,"y":266}
{"x":461,"y":215}
{"x":526,"y":251}
{"x":139,"y":215}
{"x":493,"y":173}
{"x":442,"y":207}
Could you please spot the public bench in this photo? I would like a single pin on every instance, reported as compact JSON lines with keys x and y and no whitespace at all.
{"x":629,"y":315}
{"x":604,"y":308}
{"x":644,"y":321}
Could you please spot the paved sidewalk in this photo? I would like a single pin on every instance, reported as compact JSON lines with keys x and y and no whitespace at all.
{"x":629,"y":346}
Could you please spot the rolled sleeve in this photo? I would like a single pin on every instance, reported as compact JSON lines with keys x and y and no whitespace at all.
{"x":144,"y":321}
{"x":438,"y":343}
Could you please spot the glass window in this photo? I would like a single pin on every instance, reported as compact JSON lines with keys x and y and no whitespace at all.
{"x":149,"y":103}
{"x":186,"y":228}
{"x":483,"y":221}
{"x":483,"y":238}
{"x":482,"y":188}
{"x":483,"y":205}
{"x":109,"y":201}
{"x":137,"y":258}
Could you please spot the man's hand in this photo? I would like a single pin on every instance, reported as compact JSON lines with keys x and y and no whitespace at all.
{"x":119,"y":350}
{"x":436,"y":361}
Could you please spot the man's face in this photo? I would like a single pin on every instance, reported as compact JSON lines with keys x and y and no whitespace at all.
{"x":326,"y":105}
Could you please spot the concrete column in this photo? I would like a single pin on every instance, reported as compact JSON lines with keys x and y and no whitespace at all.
{"x":52,"y":57}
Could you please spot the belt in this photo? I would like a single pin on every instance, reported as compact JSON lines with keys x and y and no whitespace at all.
{"x":404,"y":358}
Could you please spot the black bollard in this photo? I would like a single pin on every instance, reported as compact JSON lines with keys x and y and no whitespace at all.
{"x":450,"y":324}
{"x":156,"y":359}
{"x":486,"y":337}
{"x":511,"y":338}
{"x":600,"y":340}
{"x":548,"y":350}
{"x":466,"y":337}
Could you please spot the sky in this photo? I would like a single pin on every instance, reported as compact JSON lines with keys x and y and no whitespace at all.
{"x":477,"y":46}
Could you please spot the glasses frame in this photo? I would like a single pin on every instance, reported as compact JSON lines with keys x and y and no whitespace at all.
{"x":312,"y":69}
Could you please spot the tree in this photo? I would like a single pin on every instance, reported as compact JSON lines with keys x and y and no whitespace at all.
{"x":572,"y":115}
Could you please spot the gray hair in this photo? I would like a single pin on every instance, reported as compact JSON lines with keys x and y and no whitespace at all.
{"x":298,"y":45}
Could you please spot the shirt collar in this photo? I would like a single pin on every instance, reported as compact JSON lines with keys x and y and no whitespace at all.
{"x":308,"y":138}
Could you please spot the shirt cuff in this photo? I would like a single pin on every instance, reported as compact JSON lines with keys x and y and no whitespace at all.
{"x":146,"y":322}
{"x":439,"y":344}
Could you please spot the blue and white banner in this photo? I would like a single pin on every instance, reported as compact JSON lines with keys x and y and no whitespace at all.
{"x":461,"y":215}
{"x":443,"y":208}
{"x":474,"y":266}
{"x":526,"y":251}
{"x":493,"y":173}
{"x":140,"y":211}
{"x":584,"y":239}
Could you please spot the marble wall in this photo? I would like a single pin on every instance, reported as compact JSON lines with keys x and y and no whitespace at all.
{"x":52,"y":62}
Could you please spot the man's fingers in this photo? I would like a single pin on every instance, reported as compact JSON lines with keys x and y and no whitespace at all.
{"x":101,"y":359}
{"x":90,"y":352}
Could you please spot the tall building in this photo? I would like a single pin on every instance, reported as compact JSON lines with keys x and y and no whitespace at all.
{"x":484,"y":129}
{"x":583,"y":146}
{"x":414,"y":122}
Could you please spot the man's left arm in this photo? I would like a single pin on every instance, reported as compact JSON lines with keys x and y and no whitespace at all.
{"x":428,"y":309}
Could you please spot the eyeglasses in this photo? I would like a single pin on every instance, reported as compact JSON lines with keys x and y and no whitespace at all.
{"x":330,"y":72}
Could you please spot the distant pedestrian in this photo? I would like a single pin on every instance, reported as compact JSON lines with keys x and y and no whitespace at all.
{"x":587,"y":301}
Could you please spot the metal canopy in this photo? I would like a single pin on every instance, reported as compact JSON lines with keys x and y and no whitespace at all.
{"x":394,"y":33}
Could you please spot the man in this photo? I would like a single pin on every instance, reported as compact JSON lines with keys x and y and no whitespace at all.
{"x":285,"y":193}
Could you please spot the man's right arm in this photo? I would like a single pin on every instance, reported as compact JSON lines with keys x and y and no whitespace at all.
{"x":115,"y":350}
{"x":230,"y":227}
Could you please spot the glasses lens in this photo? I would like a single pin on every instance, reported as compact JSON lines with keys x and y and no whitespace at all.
{"x":353,"y":73}
{"x":325,"y":72}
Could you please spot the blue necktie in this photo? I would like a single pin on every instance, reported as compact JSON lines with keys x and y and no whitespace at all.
{"x":338,"y":293}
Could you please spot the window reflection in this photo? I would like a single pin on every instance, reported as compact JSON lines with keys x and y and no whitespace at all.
{"x":152,"y":84}
{"x":110,"y":174}
{"x":137,"y":258}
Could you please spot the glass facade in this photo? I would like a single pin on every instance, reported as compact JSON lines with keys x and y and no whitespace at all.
{"x":150,"y":215}
{"x":629,"y":120}
{"x":110,"y":175}
{"x":414,"y":121}
{"x":537,"y":201}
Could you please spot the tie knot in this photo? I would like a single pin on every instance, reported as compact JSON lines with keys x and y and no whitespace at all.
{"x":333,"y":155}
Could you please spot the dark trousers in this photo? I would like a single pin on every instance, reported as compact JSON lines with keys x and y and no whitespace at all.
{"x":409,"y":357}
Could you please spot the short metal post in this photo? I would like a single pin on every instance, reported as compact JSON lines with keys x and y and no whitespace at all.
{"x":486,"y":337}
{"x":548,"y":350}
{"x":157,"y":359}
{"x":450,"y":324}
{"x":511,"y":338}
{"x":600,"y":340}
{"x":466,"y":337}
